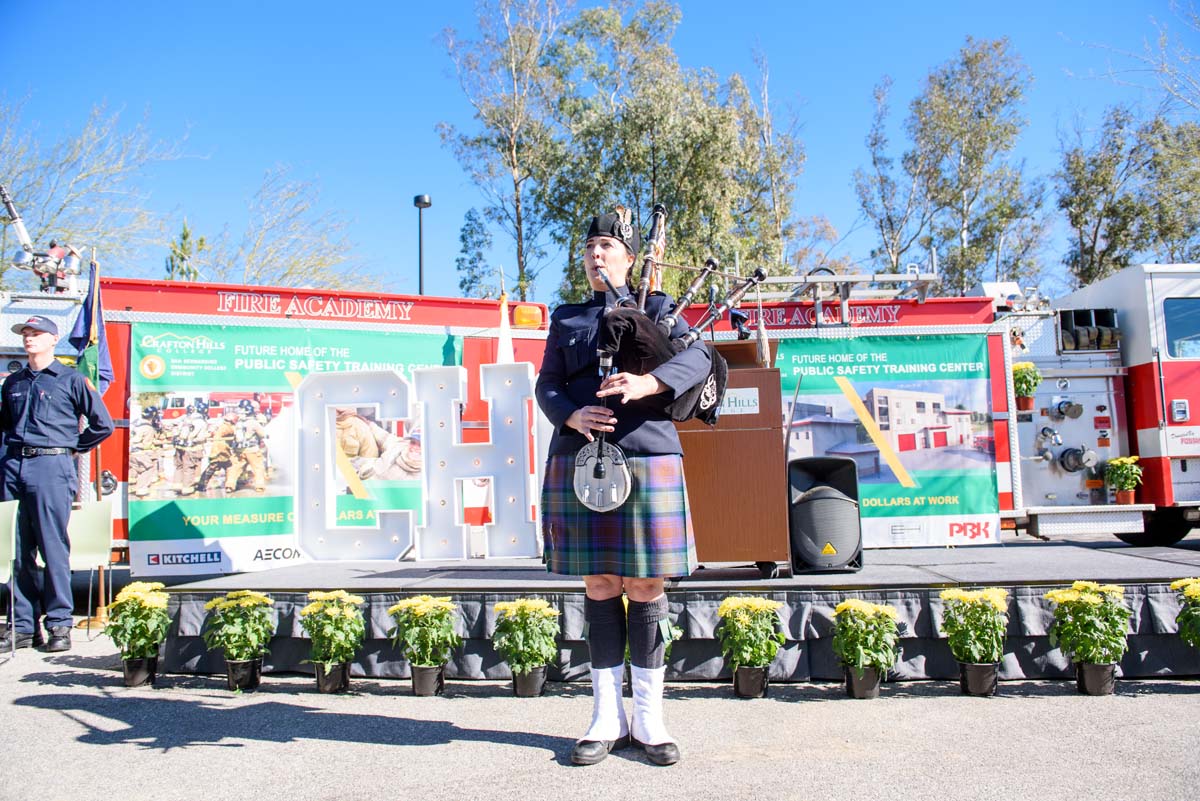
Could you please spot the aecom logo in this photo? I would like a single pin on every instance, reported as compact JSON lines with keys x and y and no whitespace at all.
{"x":276,"y":554}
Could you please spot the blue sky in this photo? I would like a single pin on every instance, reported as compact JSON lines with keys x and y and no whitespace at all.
{"x":348,"y":94}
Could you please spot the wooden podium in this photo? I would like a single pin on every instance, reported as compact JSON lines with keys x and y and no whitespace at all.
{"x":736,"y":471}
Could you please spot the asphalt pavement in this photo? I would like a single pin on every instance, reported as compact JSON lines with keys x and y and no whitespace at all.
{"x":69,"y":729}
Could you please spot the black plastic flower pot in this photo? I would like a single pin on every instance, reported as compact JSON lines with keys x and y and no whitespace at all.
{"x":243,"y":674}
{"x":531,"y":684}
{"x":865,"y":685}
{"x":334,"y":680}
{"x":751,"y":682}
{"x":428,"y":681}
{"x":978,"y":678}
{"x":1096,"y":679}
{"x":140,"y":671}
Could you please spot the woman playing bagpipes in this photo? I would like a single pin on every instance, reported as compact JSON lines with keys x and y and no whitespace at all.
{"x":648,"y":537}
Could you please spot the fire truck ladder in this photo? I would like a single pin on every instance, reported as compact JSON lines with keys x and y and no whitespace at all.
{"x":841,"y":287}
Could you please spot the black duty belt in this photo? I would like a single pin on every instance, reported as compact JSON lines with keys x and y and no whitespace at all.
{"x":27,"y":452}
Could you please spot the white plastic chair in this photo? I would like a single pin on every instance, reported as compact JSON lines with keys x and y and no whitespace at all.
{"x":8,"y":555}
{"x":90,"y":530}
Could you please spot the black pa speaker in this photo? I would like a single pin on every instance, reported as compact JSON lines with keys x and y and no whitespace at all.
{"x":826,"y":534}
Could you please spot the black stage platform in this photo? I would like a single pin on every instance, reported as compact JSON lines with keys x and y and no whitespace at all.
{"x":909,"y":579}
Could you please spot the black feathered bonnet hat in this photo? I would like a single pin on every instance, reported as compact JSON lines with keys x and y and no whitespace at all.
{"x":616,"y":224}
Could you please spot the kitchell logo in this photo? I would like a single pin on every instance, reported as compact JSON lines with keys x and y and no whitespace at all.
{"x":195,"y":558}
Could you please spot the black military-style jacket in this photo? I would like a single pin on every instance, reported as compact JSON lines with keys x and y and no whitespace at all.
{"x":569,"y":378}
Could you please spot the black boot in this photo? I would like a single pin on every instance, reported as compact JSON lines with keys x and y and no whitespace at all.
{"x":23,"y":640}
{"x":60,"y":639}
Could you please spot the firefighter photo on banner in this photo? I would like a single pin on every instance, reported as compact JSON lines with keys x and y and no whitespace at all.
{"x":914,"y":414}
{"x":212,"y":462}
{"x":384,"y":464}
{"x":206,"y":445}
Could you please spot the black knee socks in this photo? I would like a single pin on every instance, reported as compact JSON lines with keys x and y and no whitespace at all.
{"x":606,"y":631}
{"x":647,"y":647}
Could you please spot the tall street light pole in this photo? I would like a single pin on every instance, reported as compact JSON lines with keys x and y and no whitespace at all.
{"x":422,"y":202}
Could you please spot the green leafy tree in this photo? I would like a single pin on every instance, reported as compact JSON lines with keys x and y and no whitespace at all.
{"x":965,"y":124}
{"x":1172,"y":189}
{"x":578,"y":113}
{"x":640,"y":130}
{"x":1013,"y":224}
{"x":895,"y":201}
{"x":812,"y":241}
{"x":474,"y":274}
{"x":770,"y":159}
{"x":513,"y":148}
{"x":181,"y":261}
{"x":1100,"y":191}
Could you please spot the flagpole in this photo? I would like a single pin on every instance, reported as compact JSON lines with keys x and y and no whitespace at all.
{"x":101,"y":616}
{"x":96,"y":451}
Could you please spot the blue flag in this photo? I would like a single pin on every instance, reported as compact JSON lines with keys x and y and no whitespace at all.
{"x":89,"y":338}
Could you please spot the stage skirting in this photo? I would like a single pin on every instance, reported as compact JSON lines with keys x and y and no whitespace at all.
{"x":1154,"y":647}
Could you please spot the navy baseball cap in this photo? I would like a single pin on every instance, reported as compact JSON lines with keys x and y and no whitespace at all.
{"x":38,"y":323}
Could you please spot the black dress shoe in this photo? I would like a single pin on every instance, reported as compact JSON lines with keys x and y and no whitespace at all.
{"x":589,"y":752}
{"x":663,"y":754}
{"x":23,"y":640}
{"x":60,"y":639}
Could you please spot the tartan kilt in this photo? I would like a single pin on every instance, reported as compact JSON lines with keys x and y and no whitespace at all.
{"x":648,"y":536}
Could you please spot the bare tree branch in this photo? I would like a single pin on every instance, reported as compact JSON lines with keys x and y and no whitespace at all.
{"x":82,"y":189}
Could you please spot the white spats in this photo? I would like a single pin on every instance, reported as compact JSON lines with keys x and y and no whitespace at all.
{"x":648,"y":726}
{"x":608,"y":712}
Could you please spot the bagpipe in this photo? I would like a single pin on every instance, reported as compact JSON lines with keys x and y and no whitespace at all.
{"x":638,"y":344}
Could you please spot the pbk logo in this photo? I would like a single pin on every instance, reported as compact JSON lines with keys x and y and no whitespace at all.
{"x":971,"y":531}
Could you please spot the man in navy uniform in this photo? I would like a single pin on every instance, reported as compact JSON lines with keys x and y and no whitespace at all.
{"x":40,"y":408}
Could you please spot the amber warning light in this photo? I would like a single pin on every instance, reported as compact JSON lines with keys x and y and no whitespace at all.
{"x":526,"y":316}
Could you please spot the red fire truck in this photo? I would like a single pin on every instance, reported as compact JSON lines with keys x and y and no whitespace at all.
{"x":1126,"y":349}
{"x":128,"y":302}
{"x":1120,"y":361}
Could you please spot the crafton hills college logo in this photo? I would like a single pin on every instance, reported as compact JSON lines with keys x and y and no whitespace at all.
{"x":172,"y":342}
